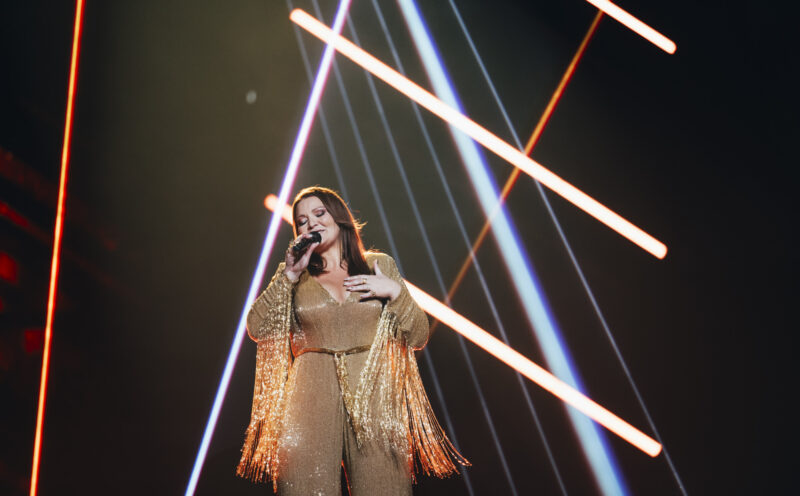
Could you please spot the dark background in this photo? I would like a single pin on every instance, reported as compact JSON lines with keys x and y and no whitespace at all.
{"x":165,"y":221}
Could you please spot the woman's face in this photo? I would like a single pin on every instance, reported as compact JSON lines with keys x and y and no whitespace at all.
{"x":311,"y":215}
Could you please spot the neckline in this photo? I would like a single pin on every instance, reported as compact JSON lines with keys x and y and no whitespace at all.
{"x":328,"y":293}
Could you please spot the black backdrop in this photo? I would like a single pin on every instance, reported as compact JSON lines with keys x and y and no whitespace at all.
{"x":165,"y":221}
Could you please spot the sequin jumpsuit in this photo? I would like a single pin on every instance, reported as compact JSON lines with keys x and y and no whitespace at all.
{"x":337,"y":383}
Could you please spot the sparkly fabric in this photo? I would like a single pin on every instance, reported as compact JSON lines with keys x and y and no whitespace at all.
{"x":352,"y":392}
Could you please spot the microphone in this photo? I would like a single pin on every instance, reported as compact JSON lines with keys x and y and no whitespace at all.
{"x":301,"y":245}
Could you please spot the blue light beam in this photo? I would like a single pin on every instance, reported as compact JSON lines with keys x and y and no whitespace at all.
{"x":598,"y":454}
{"x":269,"y":242}
{"x":572,"y":257}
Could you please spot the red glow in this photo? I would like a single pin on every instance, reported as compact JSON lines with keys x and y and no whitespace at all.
{"x":51,"y":296}
{"x":13,"y":216}
{"x":22,"y":222}
{"x":33,"y":340}
{"x":9,"y":269}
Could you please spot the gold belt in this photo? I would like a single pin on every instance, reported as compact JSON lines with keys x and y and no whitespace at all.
{"x":341,"y":373}
{"x":357,"y":349}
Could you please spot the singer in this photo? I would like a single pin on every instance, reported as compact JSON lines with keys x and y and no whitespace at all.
{"x":337,"y":383}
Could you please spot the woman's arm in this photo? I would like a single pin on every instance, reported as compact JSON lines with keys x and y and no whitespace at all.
{"x":269,"y":307}
{"x":411,"y":320}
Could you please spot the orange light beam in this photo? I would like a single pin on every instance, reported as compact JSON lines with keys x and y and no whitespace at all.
{"x":534,"y":372}
{"x":635,"y":25}
{"x":481,"y":135}
{"x":537,"y":133}
{"x":272,"y":202}
{"x":59,"y":227}
{"x":520,"y":363}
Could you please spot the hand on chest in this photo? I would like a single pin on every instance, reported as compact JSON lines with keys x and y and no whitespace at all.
{"x":328,"y":315}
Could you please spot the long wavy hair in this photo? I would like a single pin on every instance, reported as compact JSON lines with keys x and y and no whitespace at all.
{"x":352,"y":248}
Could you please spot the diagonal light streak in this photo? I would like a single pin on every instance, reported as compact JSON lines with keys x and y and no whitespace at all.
{"x":362,"y":152}
{"x":599,"y":469}
{"x":635,"y":25}
{"x":481,"y":135}
{"x":334,"y":157}
{"x":555,"y":98}
{"x":534,"y":372}
{"x":465,"y":237}
{"x":272,"y":232}
{"x":272,"y":202}
{"x":434,"y":265}
{"x":520,"y":270}
{"x":526,"y":367}
{"x":537,"y":132}
{"x":323,"y":120}
{"x":388,"y":231}
{"x":58,"y":231}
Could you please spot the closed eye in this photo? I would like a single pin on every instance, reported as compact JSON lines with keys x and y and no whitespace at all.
{"x":319,"y":213}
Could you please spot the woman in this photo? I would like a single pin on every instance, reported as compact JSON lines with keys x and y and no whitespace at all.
{"x":336,"y":378}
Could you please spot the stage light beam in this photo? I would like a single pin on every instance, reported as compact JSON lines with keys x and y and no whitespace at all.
{"x":523,"y":365}
{"x":635,"y":25}
{"x":59,"y":228}
{"x":534,"y":372}
{"x":480,"y":134}
{"x":272,"y":231}
{"x":272,"y":202}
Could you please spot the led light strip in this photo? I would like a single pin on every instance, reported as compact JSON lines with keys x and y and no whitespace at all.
{"x":521,"y":273}
{"x":59,"y":228}
{"x":434,"y":264}
{"x":272,"y":232}
{"x":466,"y":159}
{"x":537,"y":133}
{"x":599,"y":456}
{"x":510,"y":183}
{"x":518,"y":362}
{"x":343,"y":190}
{"x":534,"y":372}
{"x":635,"y":25}
{"x":480,"y":134}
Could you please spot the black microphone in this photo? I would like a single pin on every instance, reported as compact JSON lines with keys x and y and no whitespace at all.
{"x":301,"y":245}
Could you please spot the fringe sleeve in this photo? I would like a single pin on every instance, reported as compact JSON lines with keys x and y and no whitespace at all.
{"x":412,"y":322}
{"x":269,"y":324}
{"x":392,"y":407}
{"x":269,"y":302}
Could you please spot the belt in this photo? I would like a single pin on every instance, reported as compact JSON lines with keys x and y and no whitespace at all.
{"x":341,"y":373}
{"x":328,"y":351}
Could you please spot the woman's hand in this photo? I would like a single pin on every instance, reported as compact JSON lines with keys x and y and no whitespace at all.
{"x":377,"y":286}
{"x":297,"y":263}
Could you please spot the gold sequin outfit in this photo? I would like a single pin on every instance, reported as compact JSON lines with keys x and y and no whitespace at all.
{"x":338,"y":382}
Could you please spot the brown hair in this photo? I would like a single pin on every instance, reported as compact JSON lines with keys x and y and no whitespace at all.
{"x":349,"y":231}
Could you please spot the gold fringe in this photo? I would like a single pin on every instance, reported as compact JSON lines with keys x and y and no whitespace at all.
{"x":434,"y":450}
{"x":390,"y":405}
{"x":259,"y":461}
